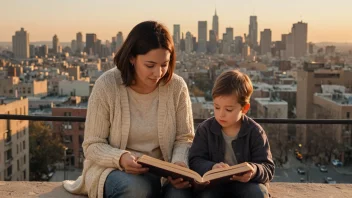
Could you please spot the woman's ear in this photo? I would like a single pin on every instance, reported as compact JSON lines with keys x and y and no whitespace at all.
{"x":133,"y":60}
{"x":245,"y":108}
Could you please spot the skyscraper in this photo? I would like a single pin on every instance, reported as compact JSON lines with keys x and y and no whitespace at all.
{"x":299,"y":34}
{"x":91,"y":39}
{"x":215,"y":25}
{"x":202,"y":37}
{"x":289,"y":51}
{"x":79,"y":41}
{"x":229,"y":34}
{"x":253,"y":31}
{"x":189,"y":43}
{"x":227,"y":41}
{"x":265,"y":41}
{"x":212,"y":42}
{"x":56,"y":44}
{"x":311,"y":48}
{"x":119,"y":40}
{"x":31,"y":51}
{"x":20,"y":44}
{"x":97,"y":48}
{"x":238,"y":44}
{"x":177,"y":34}
{"x":73,"y":46}
{"x":182,"y":43}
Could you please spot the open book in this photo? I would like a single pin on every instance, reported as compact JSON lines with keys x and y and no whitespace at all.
{"x":165,"y":169}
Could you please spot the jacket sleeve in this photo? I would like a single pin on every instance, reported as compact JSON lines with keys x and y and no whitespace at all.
{"x":199,"y":152}
{"x":262,"y":159}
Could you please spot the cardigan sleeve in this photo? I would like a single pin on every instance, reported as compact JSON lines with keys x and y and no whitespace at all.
{"x":97,"y":128}
{"x":184,"y":126}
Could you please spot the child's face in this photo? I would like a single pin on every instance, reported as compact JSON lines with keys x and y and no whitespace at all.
{"x":228,"y":111}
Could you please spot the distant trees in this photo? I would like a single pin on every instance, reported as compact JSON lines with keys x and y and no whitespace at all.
{"x":45,"y":150}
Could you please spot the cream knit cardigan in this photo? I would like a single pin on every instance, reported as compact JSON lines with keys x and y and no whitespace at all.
{"x":108,"y":123}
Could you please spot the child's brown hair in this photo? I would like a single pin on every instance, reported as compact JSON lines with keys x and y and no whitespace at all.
{"x":233,"y":82}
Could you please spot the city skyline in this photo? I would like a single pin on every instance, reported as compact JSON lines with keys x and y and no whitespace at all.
{"x":99,"y":18}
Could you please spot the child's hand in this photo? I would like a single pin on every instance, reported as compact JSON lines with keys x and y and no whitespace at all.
{"x":220,"y":165}
{"x":244,"y":177}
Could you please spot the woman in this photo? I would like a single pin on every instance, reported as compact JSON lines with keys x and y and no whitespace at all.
{"x":140,"y":107}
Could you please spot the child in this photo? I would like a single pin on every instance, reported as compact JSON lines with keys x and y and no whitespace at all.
{"x":231,"y":138}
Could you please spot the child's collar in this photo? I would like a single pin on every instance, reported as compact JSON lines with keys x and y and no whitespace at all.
{"x":216,"y":127}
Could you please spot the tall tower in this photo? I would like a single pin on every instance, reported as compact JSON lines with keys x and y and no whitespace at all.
{"x":202,"y":37}
{"x":79,"y":40}
{"x":20,"y":44}
{"x":215,"y":25}
{"x":119,"y":40}
{"x":189,"y":43}
{"x":56,"y":44}
{"x":91,"y":39}
{"x":253,"y":31}
{"x":299,"y":34}
{"x":265,"y":41}
{"x":177,"y":33}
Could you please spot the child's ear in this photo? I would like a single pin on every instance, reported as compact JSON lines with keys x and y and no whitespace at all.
{"x":245,"y":108}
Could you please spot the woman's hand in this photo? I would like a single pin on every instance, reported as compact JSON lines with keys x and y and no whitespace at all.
{"x":129,"y":164}
{"x":220,"y":165}
{"x":179,"y":183}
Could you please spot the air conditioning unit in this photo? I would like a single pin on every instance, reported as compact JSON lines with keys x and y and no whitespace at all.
{"x":67,"y":126}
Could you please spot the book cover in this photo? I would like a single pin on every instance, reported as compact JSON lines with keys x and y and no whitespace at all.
{"x":219,"y":175}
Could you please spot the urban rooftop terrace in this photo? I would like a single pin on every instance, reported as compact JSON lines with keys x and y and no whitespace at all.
{"x":16,"y":189}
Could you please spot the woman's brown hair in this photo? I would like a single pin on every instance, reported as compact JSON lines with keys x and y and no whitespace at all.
{"x":144,"y":37}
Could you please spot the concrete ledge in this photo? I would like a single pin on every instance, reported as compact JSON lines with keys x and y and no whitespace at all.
{"x":277,"y":190}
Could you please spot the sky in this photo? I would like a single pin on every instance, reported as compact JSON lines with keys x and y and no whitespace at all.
{"x":328,"y":21}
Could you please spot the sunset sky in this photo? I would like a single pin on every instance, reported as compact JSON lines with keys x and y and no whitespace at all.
{"x":327,"y":20}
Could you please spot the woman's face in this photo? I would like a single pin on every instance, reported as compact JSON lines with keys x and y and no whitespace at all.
{"x":150,"y":68}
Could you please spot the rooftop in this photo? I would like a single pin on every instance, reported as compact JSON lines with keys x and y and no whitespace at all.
{"x":270,"y":101}
{"x":276,"y":189}
{"x":277,"y":87}
{"x":344,"y":99}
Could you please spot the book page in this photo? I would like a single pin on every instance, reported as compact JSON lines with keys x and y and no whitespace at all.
{"x":229,"y":171}
{"x":170,"y":167}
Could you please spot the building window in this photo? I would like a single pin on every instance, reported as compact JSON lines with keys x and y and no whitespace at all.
{"x":67,"y":114}
{"x":24,"y":144}
{"x":9,"y":171}
{"x":24,"y":175}
{"x":348,"y":115}
{"x":68,"y":139}
{"x":17,"y":148}
{"x":81,"y":126}
{"x":9,"y":154}
{"x":18,"y":165}
{"x":8,"y":135}
{"x":80,"y":139}
{"x":24,"y":159}
{"x":29,"y":90}
{"x":10,"y":91}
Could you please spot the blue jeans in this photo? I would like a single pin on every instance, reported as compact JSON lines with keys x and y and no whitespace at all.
{"x":121,"y":184}
{"x":170,"y":192}
{"x":235,"y":189}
